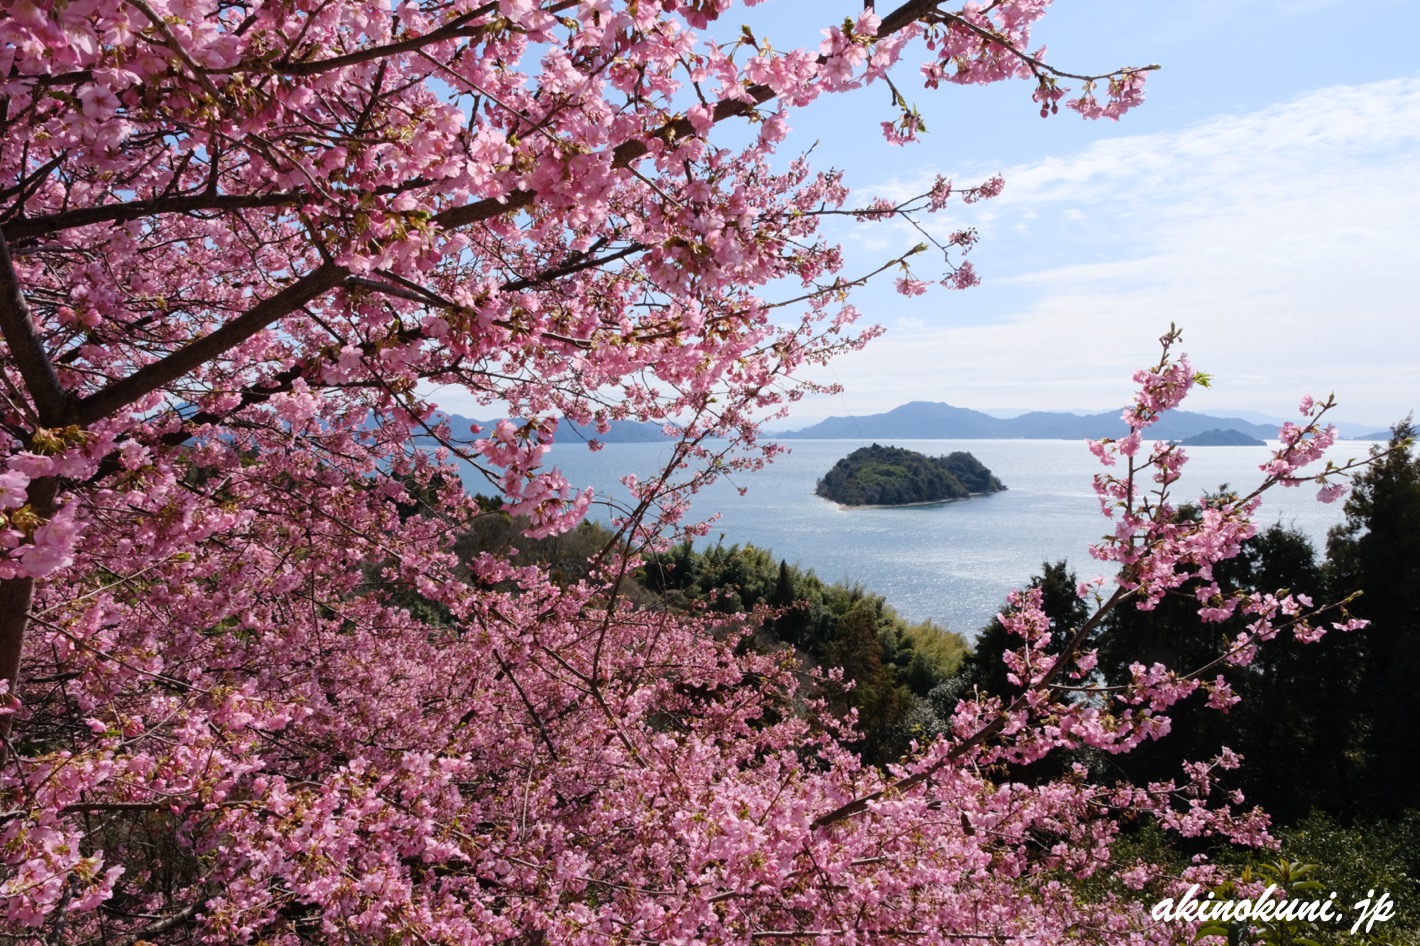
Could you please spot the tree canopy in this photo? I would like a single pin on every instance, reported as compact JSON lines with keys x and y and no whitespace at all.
{"x":895,"y":476}
{"x":1376,"y":551}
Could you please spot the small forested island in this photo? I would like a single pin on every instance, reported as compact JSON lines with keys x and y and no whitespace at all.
{"x":894,"y":476}
{"x":1222,"y":438}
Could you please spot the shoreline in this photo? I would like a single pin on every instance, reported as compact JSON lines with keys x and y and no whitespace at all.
{"x":924,"y":502}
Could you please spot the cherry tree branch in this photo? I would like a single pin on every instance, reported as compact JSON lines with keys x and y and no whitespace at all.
{"x":151,"y":377}
{"x":179,"y":919}
{"x":53,"y":405}
{"x":32,"y":227}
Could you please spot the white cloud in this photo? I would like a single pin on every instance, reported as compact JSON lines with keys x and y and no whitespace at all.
{"x":1286,"y":242}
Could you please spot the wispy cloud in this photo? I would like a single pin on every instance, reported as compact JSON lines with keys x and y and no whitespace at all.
{"x":1286,"y":241}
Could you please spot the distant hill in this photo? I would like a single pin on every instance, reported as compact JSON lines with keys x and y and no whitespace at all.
{"x":909,"y":420}
{"x":1347,"y":429}
{"x":622,"y":431}
{"x":1222,"y":438}
{"x":929,"y":420}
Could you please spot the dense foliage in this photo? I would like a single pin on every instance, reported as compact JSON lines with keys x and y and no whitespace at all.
{"x":895,"y":476}
{"x":1376,"y":551}
{"x":1368,"y":854}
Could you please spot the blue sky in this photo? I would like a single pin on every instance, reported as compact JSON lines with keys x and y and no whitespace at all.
{"x":1266,"y":198}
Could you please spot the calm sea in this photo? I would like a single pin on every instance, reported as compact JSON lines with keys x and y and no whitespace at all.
{"x":951,"y":563}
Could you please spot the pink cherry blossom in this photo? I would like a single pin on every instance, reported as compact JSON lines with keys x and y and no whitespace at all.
{"x":280,"y":682}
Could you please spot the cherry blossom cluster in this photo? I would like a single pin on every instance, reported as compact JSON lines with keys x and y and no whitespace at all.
{"x":986,"y":43}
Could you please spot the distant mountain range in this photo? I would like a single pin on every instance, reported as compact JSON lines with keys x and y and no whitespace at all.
{"x":622,"y":431}
{"x":932,"y":420}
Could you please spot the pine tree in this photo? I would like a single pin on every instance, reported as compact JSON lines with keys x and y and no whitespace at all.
{"x":1377,"y":552}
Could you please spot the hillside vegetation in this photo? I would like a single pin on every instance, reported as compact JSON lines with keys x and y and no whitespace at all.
{"x":894,"y":476}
